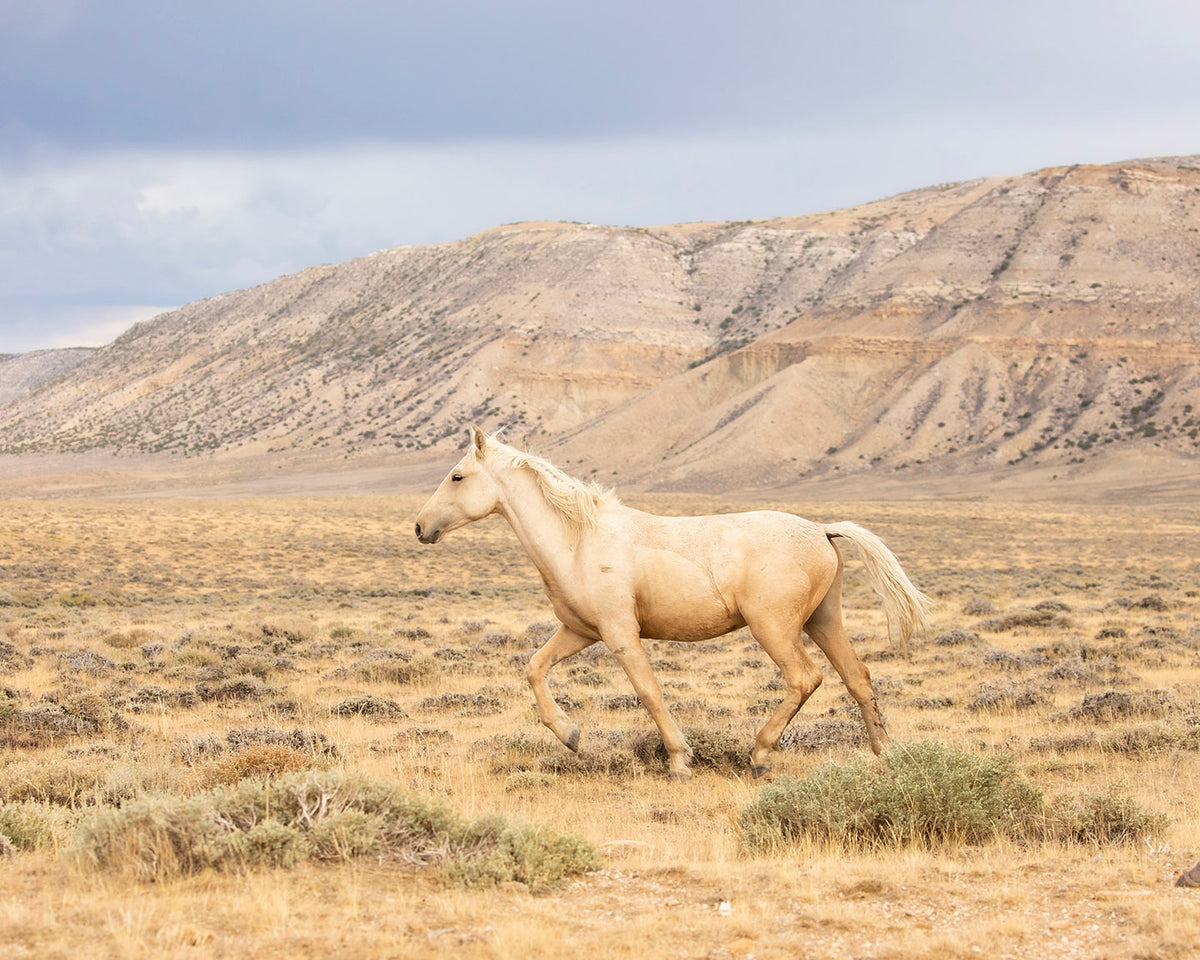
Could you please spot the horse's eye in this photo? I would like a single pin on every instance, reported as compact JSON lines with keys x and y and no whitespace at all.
{"x":457,"y":478}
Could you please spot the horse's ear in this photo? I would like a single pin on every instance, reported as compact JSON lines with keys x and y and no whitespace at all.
{"x":480,"y":440}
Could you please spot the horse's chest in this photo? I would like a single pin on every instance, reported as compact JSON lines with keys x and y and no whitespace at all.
{"x":576,"y":609}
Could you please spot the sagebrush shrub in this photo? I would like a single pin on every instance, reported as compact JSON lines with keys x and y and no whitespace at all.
{"x":927,"y":793}
{"x":1102,"y":818}
{"x":1117,"y":705}
{"x":245,"y":687}
{"x":34,"y":826}
{"x":370,"y":705}
{"x":528,"y":780}
{"x":979,"y":607}
{"x":1152,"y":739}
{"x":496,"y":850}
{"x":464,"y":704}
{"x":321,"y":815}
{"x":958,"y":638}
{"x":824,"y":733}
{"x":1039,"y":616}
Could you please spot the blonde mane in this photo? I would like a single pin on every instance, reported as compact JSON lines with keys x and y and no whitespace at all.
{"x":577,"y":502}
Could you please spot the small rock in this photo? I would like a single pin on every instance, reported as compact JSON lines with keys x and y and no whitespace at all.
{"x":1189,"y":878}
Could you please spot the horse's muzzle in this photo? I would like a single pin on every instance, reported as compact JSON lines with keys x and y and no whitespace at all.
{"x":426,"y":537}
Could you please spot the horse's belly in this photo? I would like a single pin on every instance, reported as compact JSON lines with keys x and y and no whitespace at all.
{"x":685,"y":615}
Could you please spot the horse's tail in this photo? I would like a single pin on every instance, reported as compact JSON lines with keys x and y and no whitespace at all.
{"x":905,"y":605}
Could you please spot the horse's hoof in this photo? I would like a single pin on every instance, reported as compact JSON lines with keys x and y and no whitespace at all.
{"x":680,"y":775}
{"x":760,"y":770}
{"x":572,"y":741}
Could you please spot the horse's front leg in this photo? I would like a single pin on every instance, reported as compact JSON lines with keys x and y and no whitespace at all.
{"x":565,"y":643}
{"x":631,"y":655}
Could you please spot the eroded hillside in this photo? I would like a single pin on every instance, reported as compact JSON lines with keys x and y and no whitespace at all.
{"x":968,"y":329}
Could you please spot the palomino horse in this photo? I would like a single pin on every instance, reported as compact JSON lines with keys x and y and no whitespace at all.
{"x":619,"y":576}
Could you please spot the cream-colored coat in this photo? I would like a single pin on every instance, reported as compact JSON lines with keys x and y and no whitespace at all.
{"x":618,"y":575}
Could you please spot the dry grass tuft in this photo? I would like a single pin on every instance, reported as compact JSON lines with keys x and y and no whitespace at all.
{"x":369,"y":705}
{"x":259,"y":761}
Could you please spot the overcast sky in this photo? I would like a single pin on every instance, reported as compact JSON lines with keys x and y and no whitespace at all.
{"x":154,"y":152}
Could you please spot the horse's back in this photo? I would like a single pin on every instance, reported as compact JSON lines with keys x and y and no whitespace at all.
{"x":757,"y":534}
{"x":699,"y":577}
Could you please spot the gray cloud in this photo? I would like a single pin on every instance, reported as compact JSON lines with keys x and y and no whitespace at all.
{"x":304,"y":72}
{"x":154,"y":154}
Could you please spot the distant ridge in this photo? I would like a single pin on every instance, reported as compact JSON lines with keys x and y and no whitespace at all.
{"x":1045,"y":323}
{"x":21,"y":372}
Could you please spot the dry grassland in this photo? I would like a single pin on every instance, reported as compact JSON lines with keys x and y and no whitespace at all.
{"x":167,"y":647}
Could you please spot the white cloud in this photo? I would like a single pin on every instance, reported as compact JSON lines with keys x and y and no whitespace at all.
{"x":211,"y":188}
{"x":39,"y":327}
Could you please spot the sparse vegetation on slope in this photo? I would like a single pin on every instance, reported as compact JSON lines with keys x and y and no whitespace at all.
{"x":1046,"y":321}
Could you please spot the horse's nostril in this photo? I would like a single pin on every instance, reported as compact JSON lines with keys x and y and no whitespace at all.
{"x":418,"y":531}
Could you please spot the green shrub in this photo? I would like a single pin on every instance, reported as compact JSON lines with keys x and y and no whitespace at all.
{"x":345,"y":836}
{"x":343,"y":632}
{"x":271,"y":844}
{"x":496,"y":849}
{"x":927,"y":793}
{"x":921,"y":793}
{"x":321,"y":815}
{"x":832,"y":802}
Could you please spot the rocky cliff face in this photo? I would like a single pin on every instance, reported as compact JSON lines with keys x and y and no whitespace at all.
{"x":1049,"y":319}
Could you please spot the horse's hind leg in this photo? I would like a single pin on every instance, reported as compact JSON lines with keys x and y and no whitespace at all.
{"x":563,"y":644}
{"x":828,"y":632}
{"x":783,"y":645}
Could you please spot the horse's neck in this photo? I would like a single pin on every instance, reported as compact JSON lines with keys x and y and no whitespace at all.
{"x":538,"y":526}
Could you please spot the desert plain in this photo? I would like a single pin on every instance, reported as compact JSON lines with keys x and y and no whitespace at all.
{"x":169,"y":647}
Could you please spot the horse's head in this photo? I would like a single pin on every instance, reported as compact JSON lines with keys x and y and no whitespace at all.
{"x":468,"y":493}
